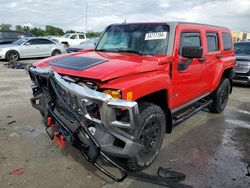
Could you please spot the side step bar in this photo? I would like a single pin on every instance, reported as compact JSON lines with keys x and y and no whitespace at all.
{"x":179,"y":117}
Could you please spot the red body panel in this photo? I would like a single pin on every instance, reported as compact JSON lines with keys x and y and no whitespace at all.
{"x":145,"y":75}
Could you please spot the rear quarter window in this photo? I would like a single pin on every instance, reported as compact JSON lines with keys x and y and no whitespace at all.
{"x":227,"y":41}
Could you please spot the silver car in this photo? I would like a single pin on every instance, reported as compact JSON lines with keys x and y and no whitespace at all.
{"x":29,"y":48}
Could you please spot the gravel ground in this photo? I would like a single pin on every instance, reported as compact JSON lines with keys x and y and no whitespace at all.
{"x":213,"y":150}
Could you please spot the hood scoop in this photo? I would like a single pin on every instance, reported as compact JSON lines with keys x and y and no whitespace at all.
{"x":76,"y":63}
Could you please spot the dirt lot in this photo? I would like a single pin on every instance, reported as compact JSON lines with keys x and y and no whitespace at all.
{"x":213,"y":150}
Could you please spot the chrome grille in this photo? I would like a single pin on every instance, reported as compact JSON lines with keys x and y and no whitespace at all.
{"x":242,"y":67}
{"x":72,"y":101}
{"x":79,"y":97}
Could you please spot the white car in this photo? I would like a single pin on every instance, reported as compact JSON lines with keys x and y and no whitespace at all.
{"x":29,"y":48}
{"x":71,"y":39}
{"x":89,"y":44}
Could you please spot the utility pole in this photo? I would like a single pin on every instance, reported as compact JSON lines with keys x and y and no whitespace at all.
{"x":86,"y":16}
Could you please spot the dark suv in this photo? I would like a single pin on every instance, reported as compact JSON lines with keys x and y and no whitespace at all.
{"x":242,"y":68}
{"x":7,"y":37}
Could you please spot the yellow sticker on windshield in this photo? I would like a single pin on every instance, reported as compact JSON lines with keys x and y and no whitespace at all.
{"x":156,"y":36}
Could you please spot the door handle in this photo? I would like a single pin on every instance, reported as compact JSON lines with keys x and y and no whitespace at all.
{"x":219,"y":56}
{"x":202,"y":59}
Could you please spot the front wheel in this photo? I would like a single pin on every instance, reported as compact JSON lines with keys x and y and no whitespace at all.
{"x":12,"y":56}
{"x":220,"y":97}
{"x":151,"y":134}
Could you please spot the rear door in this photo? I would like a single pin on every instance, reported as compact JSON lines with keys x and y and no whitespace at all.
{"x":82,"y":38}
{"x":188,"y":84}
{"x":212,"y":55}
{"x":45,"y":47}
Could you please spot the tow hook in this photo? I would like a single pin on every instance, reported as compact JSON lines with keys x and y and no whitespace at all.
{"x":49,"y":122}
{"x":59,"y":139}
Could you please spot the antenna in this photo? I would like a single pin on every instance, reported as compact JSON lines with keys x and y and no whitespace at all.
{"x":86,"y":16}
{"x":86,"y":22}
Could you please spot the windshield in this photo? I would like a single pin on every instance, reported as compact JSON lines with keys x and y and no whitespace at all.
{"x":242,"y":48}
{"x":145,"y":39}
{"x":67,"y":35}
{"x":20,"y":41}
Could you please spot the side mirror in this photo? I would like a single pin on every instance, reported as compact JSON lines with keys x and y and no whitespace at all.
{"x":27,"y":44}
{"x":190,"y":52}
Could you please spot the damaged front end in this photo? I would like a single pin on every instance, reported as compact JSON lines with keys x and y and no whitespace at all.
{"x":67,"y":108}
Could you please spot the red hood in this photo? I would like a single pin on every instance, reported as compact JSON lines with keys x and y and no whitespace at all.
{"x":117,"y":65}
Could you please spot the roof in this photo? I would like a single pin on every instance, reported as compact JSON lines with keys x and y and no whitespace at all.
{"x":12,"y":31}
{"x":172,"y":23}
{"x":35,"y":38}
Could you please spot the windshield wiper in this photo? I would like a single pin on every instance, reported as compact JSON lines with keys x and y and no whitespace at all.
{"x":123,"y":50}
{"x":131,"y":51}
{"x":106,"y":50}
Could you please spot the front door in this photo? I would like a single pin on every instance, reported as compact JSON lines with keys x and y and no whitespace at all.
{"x":74,"y":40}
{"x":188,"y":84}
{"x":30,"y":48}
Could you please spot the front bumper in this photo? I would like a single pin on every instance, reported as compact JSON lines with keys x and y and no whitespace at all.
{"x":2,"y":55}
{"x":67,"y":104}
{"x":241,"y":78}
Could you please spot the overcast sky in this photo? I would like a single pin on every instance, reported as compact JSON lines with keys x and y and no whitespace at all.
{"x":70,"y":14}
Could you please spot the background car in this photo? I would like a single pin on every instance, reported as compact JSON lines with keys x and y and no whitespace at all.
{"x":242,"y":68}
{"x":70,"y":39}
{"x":84,"y":45}
{"x":7,"y":37}
{"x":29,"y":48}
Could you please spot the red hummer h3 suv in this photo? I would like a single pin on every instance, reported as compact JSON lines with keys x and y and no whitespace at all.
{"x":118,"y":100}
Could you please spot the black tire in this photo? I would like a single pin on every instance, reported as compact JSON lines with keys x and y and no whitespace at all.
{"x":151,"y":134}
{"x":56,"y":52}
{"x":12,"y":56}
{"x":220,"y":96}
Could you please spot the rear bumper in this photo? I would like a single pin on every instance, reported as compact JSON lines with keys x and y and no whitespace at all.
{"x":72,"y":114}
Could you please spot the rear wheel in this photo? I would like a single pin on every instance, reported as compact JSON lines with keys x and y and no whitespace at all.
{"x":12,"y":56}
{"x":220,"y":97}
{"x":151,"y":134}
{"x":56,"y":52}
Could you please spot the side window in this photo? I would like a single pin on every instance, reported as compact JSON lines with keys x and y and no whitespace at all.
{"x":227,"y":41}
{"x":73,"y":36}
{"x":45,"y":41}
{"x":212,"y":42}
{"x":190,"y":39}
{"x":33,"y":41}
{"x":81,"y":36}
